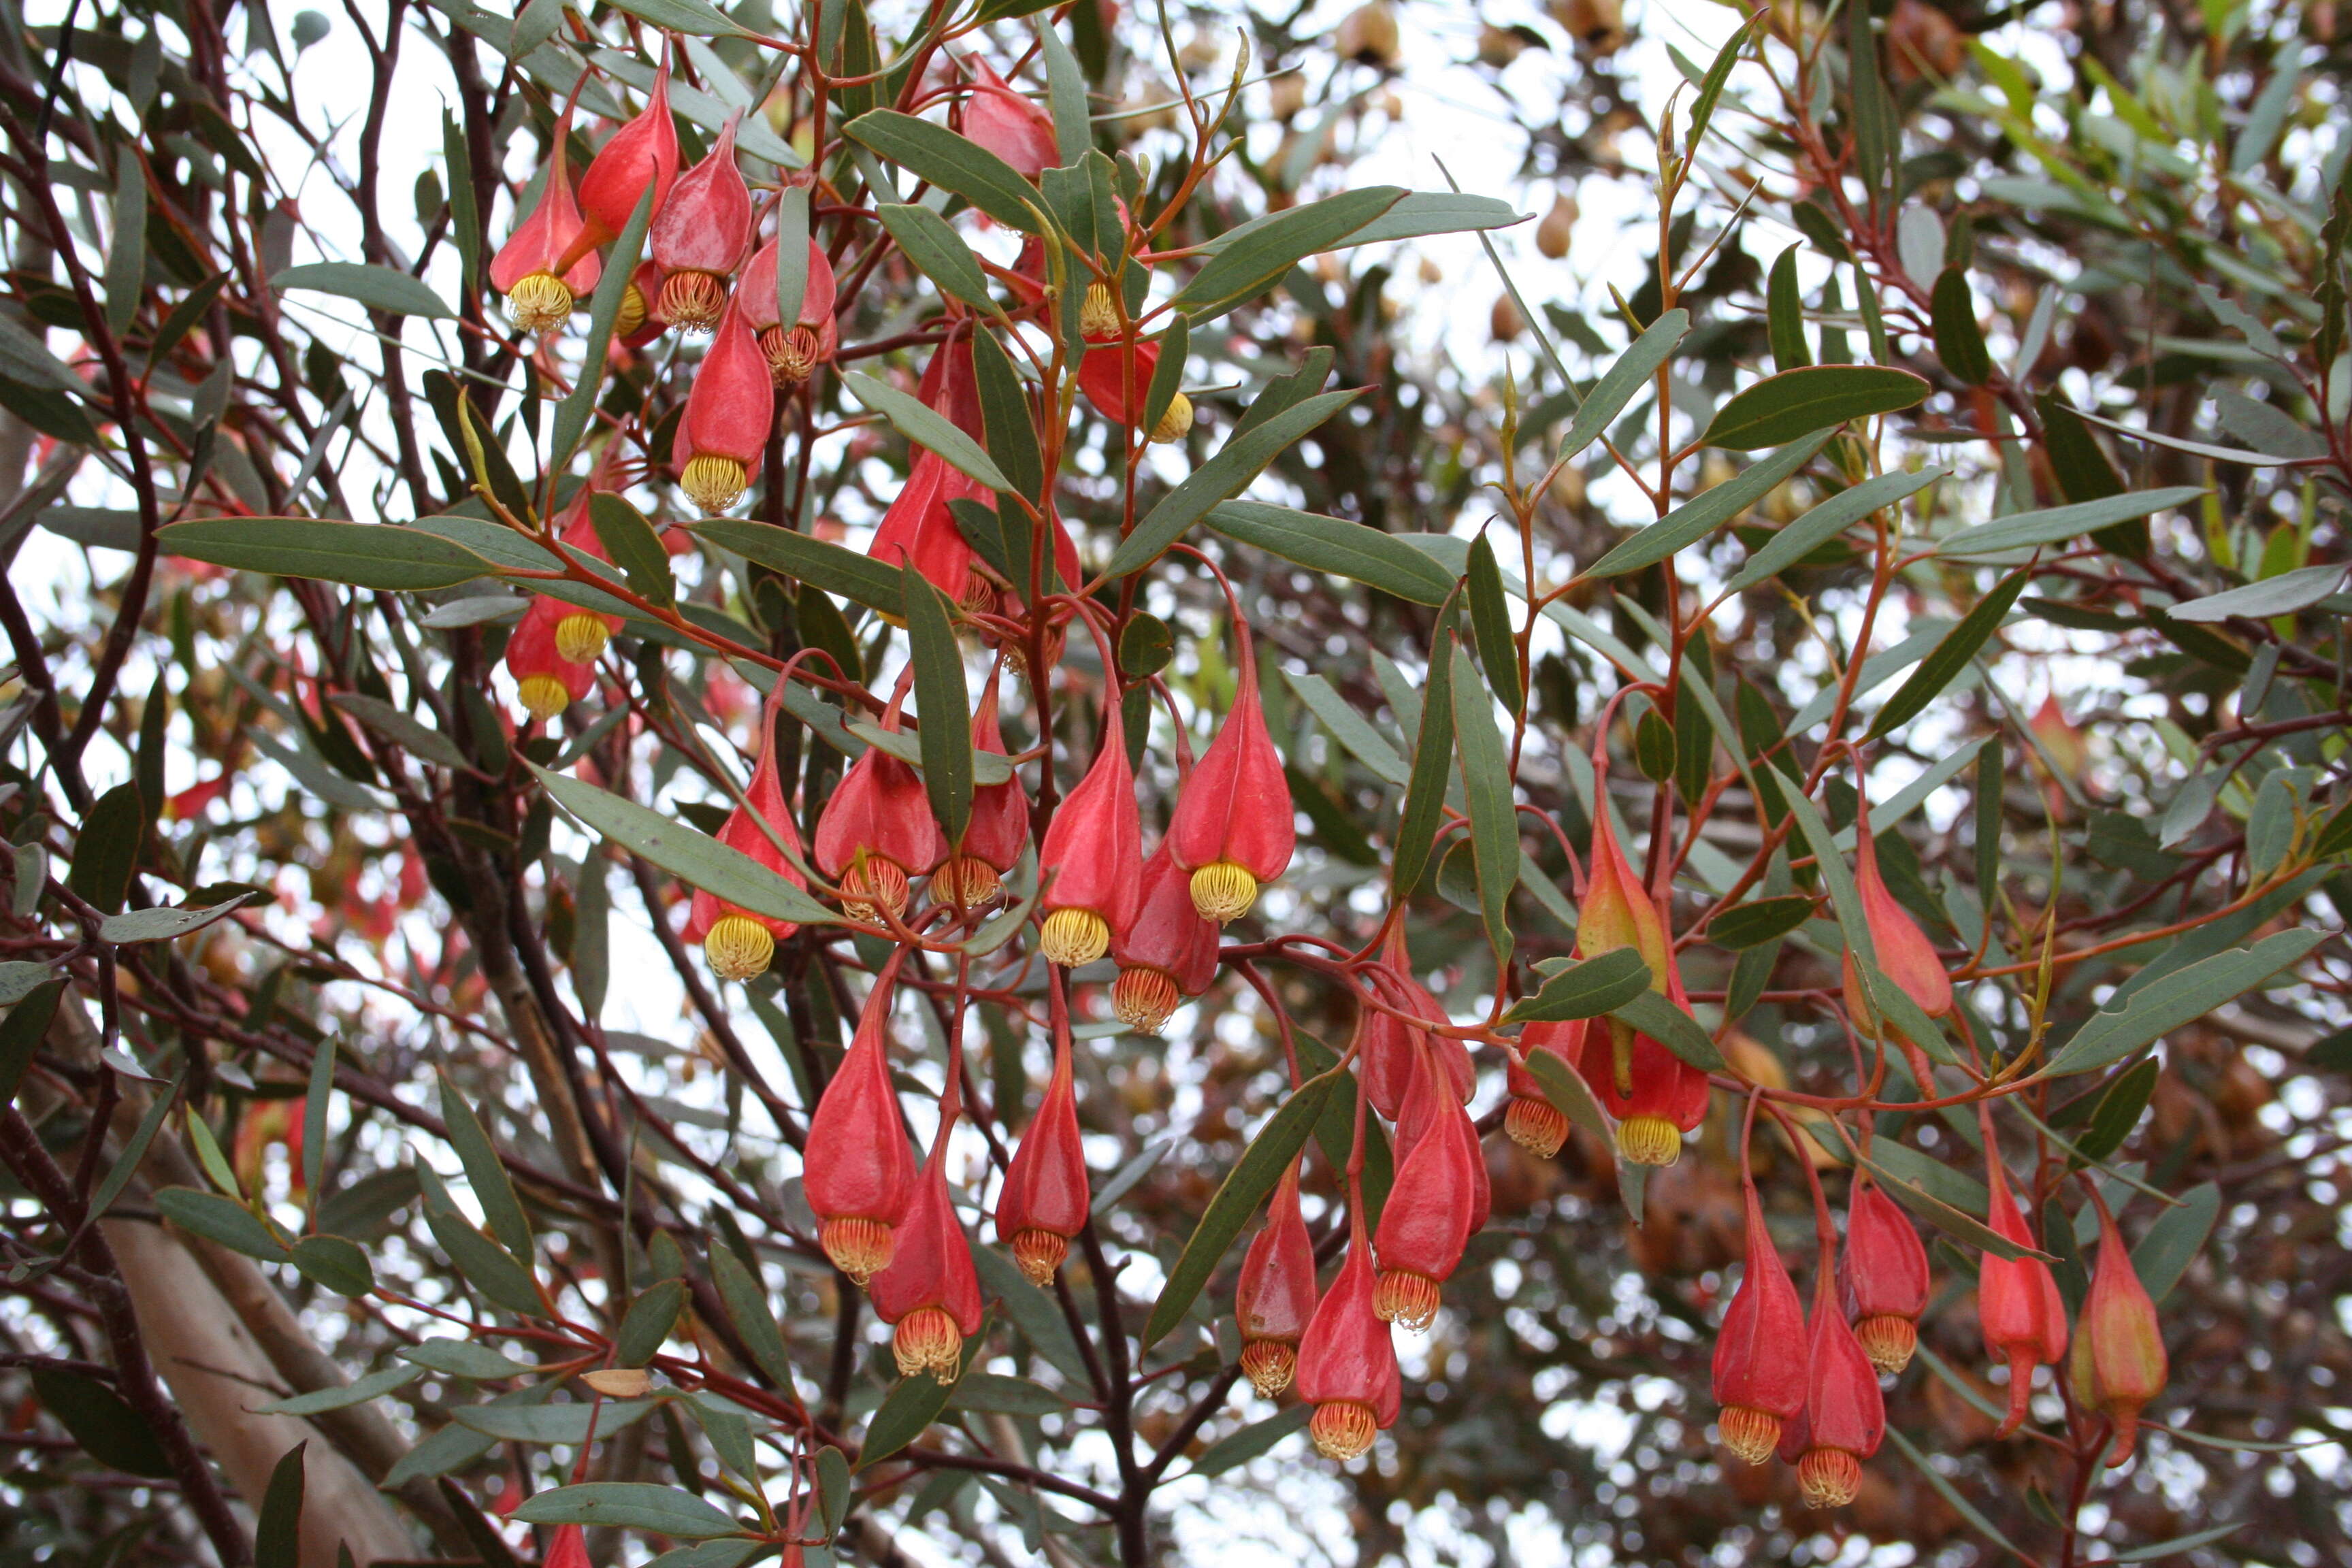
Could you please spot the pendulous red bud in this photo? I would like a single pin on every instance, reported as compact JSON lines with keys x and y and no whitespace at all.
{"x":1275,"y":1299}
{"x":699,"y":236}
{"x":1001,"y":120}
{"x":535,"y":269}
{"x":929,"y":1292}
{"x":568,"y":1548}
{"x":545,"y":681}
{"x":857,"y":1169}
{"x":2018,"y":1303}
{"x":737,"y":942}
{"x":876,"y":831}
{"x":1440,"y":1198}
{"x":1169,"y":953}
{"x":1346,"y":1363}
{"x":1760,"y":1351}
{"x":1045,"y":1195}
{"x":642,"y":153}
{"x":1902,"y":953}
{"x":1881,"y":1278}
{"x":1385,"y":1043}
{"x":1116,"y":377}
{"x":1619,"y":912}
{"x":1093,"y":855}
{"x":793,"y":350}
{"x":1845,"y":1414}
{"x":1654,"y":1095}
{"x":1532,"y":1121}
{"x":2119,"y":1363}
{"x":581,"y":634}
{"x":1233,"y":826}
{"x":729,"y":413}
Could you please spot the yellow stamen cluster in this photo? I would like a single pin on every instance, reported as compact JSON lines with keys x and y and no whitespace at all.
{"x":1343,"y":1428}
{"x":1144,"y":999}
{"x":791,"y":352}
{"x":714,"y":483}
{"x":738,"y":947}
{"x":1222,"y":891}
{"x":1073,"y":937}
{"x":1405,"y":1298}
{"x":1039,"y":1253}
{"x":692,"y":301}
{"x":1175,"y":421}
{"x":858,"y":1246}
{"x":874,"y":884}
{"x":1829,"y":1478}
{"x":1750,"y":1433}
{"x":632,"y":313}
{"x":1537,"y":1126}
{"x":927,"y":1340}
{"x":543,"y":696}
{"x":580,"y":638}
{"x":1269,"y":1365}
{"x":539,"y":302}
{"x":1648,"y":1140}
{"x":1098,"y":312}
{"x":1888,"y":1341}
{"x":965,"y":882}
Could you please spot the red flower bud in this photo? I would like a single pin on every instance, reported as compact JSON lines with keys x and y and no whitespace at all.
{"x":793,"y":350}
{"x":1533,"y":1121}
{"x":737,"y":942}
{"x":929,"y":1291}
{"x":1881,"y":1278}
{"x":919,"y":529}
{"x":858,"y":1171}
{"x":1386,"y":1044}
{"x":1619,"y":912}
{"x":699,"y":233}
{"x":1426,"y":1105}
{"x":545,"y":681}
{"x":876,"y":831}
{"x":1170,"y":953}
{"x":729,"y":413}
{"x":640,"y":153}
{"x":1116,"y":378}
{"x":1346,"y":1363}
{"x":2018,"y":1304}
{"x":998,"y":830}
{"x":1003,"y":123}
{"x":2119,"y":1363}
{"x":1275,"y":1299}
{"x":567,"y":1548}
{"x":1654,"y":1095}
{"x":1759,"y":1360}
{"x":581,"y":634}
{"x":1045,"y":1195}
{"x":1093,"y":857}
{"x":1439,"y":1199}
{"x":531,"y":268}
{"x":1845,"y":1414}
{"x":1902,"y":953}
{"x":1233,"y":827}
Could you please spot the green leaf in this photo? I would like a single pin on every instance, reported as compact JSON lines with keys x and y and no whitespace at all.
{"x":2175,"y":1239}
{"x":1352,"y":550}
{"x":465,"y":207}
{"x":1785,"y":313}
{"x":1877,"y":130}
{"x":1490,"y":626}
{"x":1415,"y":214}
{"x":696,"y":859}
{"x":2055,"y":525}
{"x":480,"y":1533}
{"x":378,"y":288}
{"x":1937,"y":1209}
{"x":1919,"y":1461}
{"x":2179,"y":1545}
{"x":944,"y":702}
{"x":2280,"y":595}
{"x":1369,"y":747}
{"x":484,"y":1172}
{"x":374,"y":1385}
{"x":648,"y":1322}
{"x":698,"y":18}
{"x":364,"y":554}
{"x":938,"y":154}
{"x":1035,"y":1314}
{"x":106,"y":849}
{"x":1584,"y":990}
{"x":1631,"y":372}
{"x":1944,"y":664}
{"x":1247,"y":263}
{"x":424,"y":744}
{"x":803,"y":559}
{"x":1796,"y":403}
{"x":1432,"y":759}
{"x":1065,"y":89}
{"x":1707,"y":511}
{"x":1011,"y":432}
{"x":1672,"y":1027}
{"x":163,"y":924}
{"x":50,"y":411}
{"x":1168,"y":375}
{"x":2177,"y":999}
{"x":994,"y":1393}
{"x":1570,"y":1094}
{"x":628,"y":1505}
{"x":748,"y":1309}
{"x":339,"y":1264}
{"x":21,"y":1033}
{"x":2117,"y":1112}
{"x":832,"y":1486}
{"x":1145,"y":646}
{"x":1240,"y":460}
{"x":101,"y":1421}
{"x":1960,"y":340}
{"x":564,"y":1424}
{"x":938,"y":253}
{"x":1486,"y":792}
{"x":1259,"y":1438}
{"x":927,"y":427}
{"x":494,"y":1273}
{"x":219,"y":1218}
{"x":463,"y":1358}
{"x":277,"y":1532}
{"x":1761,"y":920}
{"x":133,"y":1153}
{"x":634,"y":546}
{"x":1246,"y":1187}
{"x":1824,"y":522}
{"x":1710,"y":87}
{"x":906,"y":1413}
{"x":126,"y":257}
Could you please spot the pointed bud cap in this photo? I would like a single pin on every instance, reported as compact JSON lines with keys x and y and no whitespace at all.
{"x":729,"y":412}
{"x":1170,"y":953}
{"x":876,"y":831}
{"x":1654,"y":1095}
{"x":929,"y":1291}
{"x":999,"y":827}
{"x":1275,"y":1300}
{"x":1433,"y":1207}
{"x":1093,"y":854}
{"x":737,"y":942}
{"x":641,"y":154}
{"x":2018,"y":1303}
{"x":1346,"y":1364}
{"x":1004,"y":122}
{"x":699,"y":236}
{"x":1845,"y":1415}
{"x":1232,"y":826}
{"x":2119,"y":1362}
{"x":1760,"y":1351}
{"x":1045,"y":1195}
{"x":859,"y":1174}
{"x":1902,"y":953}
{"x":1883,"y":1278}
{"x":529,"y":268}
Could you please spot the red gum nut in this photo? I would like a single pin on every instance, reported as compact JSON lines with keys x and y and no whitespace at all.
{"x":1759,"y":1364}
{"x":1093,"y":855}
{"x":1845,"y":1414}
{"x":545,"y":681}
{"x":539,"y":294}
{"x":876,"y":832}
{"x":1438,"y":1200}
{"x":929,"y":1291}
{"x":1045,"y":1194}
{"x":640,"y":153}
{"x":737,"y":942}
{"x":858,"y":1172}
{"x":1004,"y":122}
{"x":1532,"y":1121}
{"x":729,"y":413}
{"x":1233,"y":827}
{"x":2018,"y":1303}
{"x":699,"y":236}
{"x":1275,"y":1299}
{"x":1883,"y":1278}
{"x":1170,"y":951}
{"x":1346,"y":1364}
{"x":2119,"y":1363}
